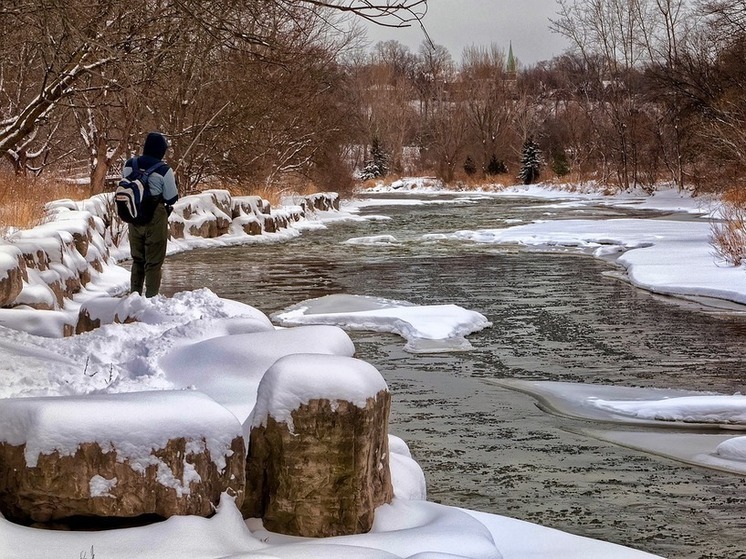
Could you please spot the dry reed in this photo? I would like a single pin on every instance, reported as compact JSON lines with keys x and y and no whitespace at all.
{"x":22,"y":199}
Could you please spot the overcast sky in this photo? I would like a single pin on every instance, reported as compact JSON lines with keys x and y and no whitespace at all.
{"x":456,"y":24}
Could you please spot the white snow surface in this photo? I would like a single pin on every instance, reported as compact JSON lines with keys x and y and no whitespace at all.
{"x":229,"y":368}
{"x":427,"y":328}
{"x":733,"y":449}
{"x":99,"y":486}
{"x":133,"y":424}
{"x":717,"y":409}
{"x":162,"y":352}
{"x":297,"y":379}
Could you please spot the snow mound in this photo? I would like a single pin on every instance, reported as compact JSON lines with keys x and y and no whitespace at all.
{"x":297,"y":379}
{"x":718,"y":409}
{"x":427,"y":329}
{"x":733,"y":449}
{"x":229,"y":368}
{"x":407,"y":477}
{"x":405,"y":529}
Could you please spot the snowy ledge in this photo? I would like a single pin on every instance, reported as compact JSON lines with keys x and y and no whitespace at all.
{"x":72,"y":257}
{"x":145,"y":421}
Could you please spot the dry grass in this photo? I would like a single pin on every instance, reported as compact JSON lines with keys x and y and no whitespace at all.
{"x":22,"y":199}
{"x":479,"y":181}
{"x":729,"y":236}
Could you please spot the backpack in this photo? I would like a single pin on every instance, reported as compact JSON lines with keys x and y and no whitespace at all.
{"x":135,"y":204}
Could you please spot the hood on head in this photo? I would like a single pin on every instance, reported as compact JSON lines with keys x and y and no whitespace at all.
{"x":155,"y":145}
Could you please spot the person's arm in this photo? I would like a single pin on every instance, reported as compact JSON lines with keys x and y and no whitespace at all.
{"x":170,"y":192}
{"x":127,"y":169}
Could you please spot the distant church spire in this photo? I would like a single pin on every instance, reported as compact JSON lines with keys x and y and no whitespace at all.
{"x":511,"y":65}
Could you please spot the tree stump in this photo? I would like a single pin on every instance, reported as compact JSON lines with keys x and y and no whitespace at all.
{"x":319,"y":466}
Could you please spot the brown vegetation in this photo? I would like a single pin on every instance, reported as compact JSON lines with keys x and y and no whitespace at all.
{"x":729,"y":235}
{"x":275,"y":93}
{"x":247,"y":92}
{"x":22,"y":199}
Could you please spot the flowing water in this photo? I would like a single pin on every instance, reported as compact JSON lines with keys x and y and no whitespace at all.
{"x":558,"y":316}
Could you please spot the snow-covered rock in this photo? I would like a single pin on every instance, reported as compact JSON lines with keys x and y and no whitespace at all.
{"x":214,"y":213}
{"x":12,"y":273}
{"x":108,"y":310}
{"x":162,"y":453}
{"x":318,"y":462}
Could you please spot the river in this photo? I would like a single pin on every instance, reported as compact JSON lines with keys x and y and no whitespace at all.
{"x":560,"y":316}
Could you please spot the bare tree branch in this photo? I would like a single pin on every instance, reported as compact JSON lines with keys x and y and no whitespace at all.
{"x":387,"y":13}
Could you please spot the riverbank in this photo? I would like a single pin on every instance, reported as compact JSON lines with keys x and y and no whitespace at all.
{"x":71,"y":259}
{"x":678,"y":258}
{"x":207,"y":316}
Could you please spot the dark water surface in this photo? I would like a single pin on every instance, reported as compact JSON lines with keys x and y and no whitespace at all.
{"x":560,"y":317}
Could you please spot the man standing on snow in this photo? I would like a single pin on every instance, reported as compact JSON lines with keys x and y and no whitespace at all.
{"x":148,"y":242}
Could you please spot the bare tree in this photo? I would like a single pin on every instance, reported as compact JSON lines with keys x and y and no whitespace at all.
{"x":665,"y":28}
{"x":487,"y":100}
{"x":67,"y":41}
{"x":445,"y":127}
{"x":388,"y":99}
{"x":70,"y":53}
{"x":611,"y":29}
{"x":388,"y":13}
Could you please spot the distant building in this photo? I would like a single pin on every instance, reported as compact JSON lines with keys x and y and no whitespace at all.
{"x":511,"y":66}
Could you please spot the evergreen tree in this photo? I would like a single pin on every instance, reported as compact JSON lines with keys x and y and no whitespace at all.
{"x":560,"y":164}
{"x":495,"y":166}
{"x":531,"y":162}
{"x":378,"y":164}
{"x":469,"y":167}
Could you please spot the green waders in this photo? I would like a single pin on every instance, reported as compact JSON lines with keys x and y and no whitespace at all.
{"x":148,"y":247}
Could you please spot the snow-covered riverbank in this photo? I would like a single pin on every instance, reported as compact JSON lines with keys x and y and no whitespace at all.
{"x":157,"y":353}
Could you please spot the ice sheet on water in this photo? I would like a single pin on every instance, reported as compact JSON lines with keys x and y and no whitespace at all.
{"x":427,"y":328}
{"x":657,"y":410}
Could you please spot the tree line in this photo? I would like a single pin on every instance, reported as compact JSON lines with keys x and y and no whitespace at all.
{"x":650,"y":91}
{"x":281,"y":92}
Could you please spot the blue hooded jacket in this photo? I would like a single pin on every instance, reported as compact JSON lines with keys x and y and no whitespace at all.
{"x":162,"y":181}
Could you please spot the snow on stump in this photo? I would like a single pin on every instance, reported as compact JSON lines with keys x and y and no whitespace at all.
{"x":118,"y":456}
{"x":318,"y":461}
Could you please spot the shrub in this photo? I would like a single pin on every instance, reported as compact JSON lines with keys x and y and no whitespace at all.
{"x":560,"y":164}
{"x":496,"y":166}
{"x":469,"y":167}
{"x":728,"y":236}
{"x":531,"y":162}
{"x":378,"y":164}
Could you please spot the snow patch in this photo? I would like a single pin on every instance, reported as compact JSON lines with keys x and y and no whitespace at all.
{"x":99,"y":486}
{"x":427,"y":329}
{"x":297,"y":379}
